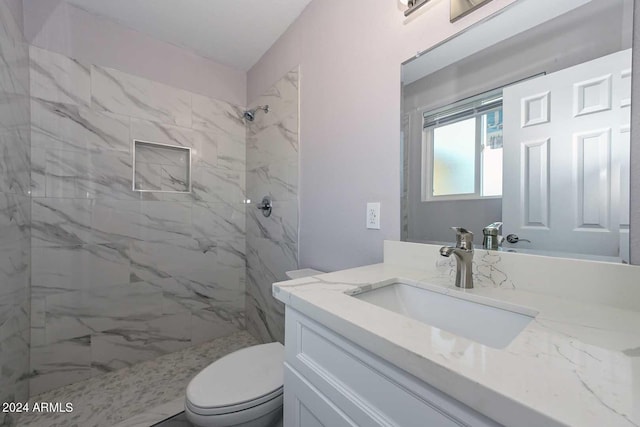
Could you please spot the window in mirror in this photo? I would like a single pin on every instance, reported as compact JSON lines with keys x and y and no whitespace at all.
{"x":560,"y":139}
{"x":454,"y":159}
{"x":464,"y":146}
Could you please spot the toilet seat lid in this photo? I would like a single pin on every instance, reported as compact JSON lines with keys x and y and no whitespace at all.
{"x":240,"y":377}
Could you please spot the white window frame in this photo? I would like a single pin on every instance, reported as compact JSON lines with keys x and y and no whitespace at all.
{"x":428,"y":158}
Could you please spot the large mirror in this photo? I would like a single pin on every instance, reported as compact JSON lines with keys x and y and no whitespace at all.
{"x":519,"y":129}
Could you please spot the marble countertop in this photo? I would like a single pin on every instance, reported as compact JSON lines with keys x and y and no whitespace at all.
{"x":575,"y":364}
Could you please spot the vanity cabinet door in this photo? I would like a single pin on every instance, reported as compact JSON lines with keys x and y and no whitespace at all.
{"x":362,"y":388}
{"x":305,"y":406}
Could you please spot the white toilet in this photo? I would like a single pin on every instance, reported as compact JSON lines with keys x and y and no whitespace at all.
{"x":242,"y":389}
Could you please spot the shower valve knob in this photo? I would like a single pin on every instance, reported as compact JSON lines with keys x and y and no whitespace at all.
{"x":265,"y":206}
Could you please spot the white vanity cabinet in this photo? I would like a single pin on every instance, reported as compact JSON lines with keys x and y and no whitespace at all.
{"x":330,"y":381}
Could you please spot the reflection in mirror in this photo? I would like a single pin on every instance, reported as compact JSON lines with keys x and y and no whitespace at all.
{"x":524,"y":120}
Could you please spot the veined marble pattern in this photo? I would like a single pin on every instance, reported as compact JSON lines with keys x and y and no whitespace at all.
{"x":279,"y":180}
{"x":218,"y":117}
{"x":70,"y":222}
{"x":120,"y":276}
{"x":215,"y":220}
{"x":13,"y":76}
{"x":15,"y":215}
{"x":487,"y":270}
{"x":218,"y":185}
{"x":59,"y":79}
{"x":73,"y":268}
{"x":193,"y":276}
{"x":60,"y":362}
{"x":84,"y":174}
{"x":14,"y":160}
{"x":272,"y":170}
{"x":151,"y":221}
{"x":14,"y":110}
{"x":161,"y":168}
{"x":14,"y":53}
{"x":62,"y":126}
{"x":275,"y":143}
{"x":145,"y":130}
{"x":267,"y":263}
{"x":152,"y":390}
{"x":14,"y":360}
{"x":38,"y":184}
{"x":122,"y":93}
{"x":281,"y":226}
{"x":14,"y":219}
{"x":14,"y":277}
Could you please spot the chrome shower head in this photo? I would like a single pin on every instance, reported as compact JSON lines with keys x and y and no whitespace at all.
{"x":250,"y":115}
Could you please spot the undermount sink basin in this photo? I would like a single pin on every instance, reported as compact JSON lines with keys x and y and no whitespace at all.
{"x":480,"y":319}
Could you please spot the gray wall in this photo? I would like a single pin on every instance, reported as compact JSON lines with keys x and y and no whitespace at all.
{"x":119,"y":276}
{"x":581,"y":36}
{"x":15,"y":216}
{"x":272,"y":170}
{"x":432,"y":221}
{"x":350,"y":55}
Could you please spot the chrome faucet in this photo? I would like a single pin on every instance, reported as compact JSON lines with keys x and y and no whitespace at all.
{"x":463,"y":252}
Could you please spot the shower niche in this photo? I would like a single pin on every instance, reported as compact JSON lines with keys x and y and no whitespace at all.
{"x":161,"y":167}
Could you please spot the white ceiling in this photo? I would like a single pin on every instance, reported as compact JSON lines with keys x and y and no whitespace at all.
{"x":235,"y":33}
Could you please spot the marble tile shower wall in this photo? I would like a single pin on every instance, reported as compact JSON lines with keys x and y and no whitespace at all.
{"x":119,"y":276}
{"x":272,"y":170}
{"x":14,"y":210}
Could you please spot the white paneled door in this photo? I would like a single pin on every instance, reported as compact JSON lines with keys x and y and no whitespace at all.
{"x":566,"y":158}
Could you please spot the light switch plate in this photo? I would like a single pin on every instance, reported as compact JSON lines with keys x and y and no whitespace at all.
{"x":373,"y":216}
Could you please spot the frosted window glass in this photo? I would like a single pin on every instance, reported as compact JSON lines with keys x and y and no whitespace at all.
{"x":492,"y":172}
{"x":454,"y":158}
{"x":492,"y":154}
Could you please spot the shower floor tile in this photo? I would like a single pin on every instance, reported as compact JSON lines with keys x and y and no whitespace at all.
{"x":141,"y":395}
